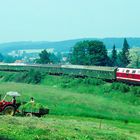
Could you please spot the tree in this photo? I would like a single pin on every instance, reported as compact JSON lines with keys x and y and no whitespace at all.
{"x":114,"y":56}
{"x":44,"y":58}
{"x":124,"y":58}
{"x":97,"y":54}
{"x":78,"y":55}
{"x":55,"y":59}
{"x":89,"y":53}
{"x":134,"y":58}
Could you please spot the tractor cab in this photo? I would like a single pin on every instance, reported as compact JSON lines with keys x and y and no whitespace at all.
{"x":9,"y":105}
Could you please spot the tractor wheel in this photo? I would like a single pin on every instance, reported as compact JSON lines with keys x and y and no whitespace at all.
{"x":29,"y":115}
{"x":9,"y":110}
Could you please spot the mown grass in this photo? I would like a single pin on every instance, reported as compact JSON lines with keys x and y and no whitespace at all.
{"x":68,"y":128}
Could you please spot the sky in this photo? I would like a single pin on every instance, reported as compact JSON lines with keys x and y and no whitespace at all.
{"x":55,"y":20}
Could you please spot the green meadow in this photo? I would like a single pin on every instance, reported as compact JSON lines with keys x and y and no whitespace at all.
{"x":66,"y":128}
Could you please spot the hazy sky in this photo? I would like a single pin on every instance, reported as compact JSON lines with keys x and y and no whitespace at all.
{"x":53,"y":20}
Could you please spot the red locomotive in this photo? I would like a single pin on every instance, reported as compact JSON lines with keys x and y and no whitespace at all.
{"x":128,"y":75}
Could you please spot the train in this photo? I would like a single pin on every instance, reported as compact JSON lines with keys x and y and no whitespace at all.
{"x":128,"y":75}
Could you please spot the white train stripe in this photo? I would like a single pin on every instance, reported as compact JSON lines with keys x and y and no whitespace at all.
{"x":138,"y":80}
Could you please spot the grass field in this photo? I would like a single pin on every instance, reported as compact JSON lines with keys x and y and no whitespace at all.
{"x":76,"y":111}
{"x":65,"y":102}
{"x":68,"y":128}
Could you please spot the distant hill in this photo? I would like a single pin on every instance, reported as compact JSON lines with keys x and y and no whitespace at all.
{"x":64,"y":46}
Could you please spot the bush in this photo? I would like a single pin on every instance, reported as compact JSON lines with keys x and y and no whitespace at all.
{"x":115,"y":86}
{"x":8,"y":77}
{"x":33,"y":77}
{"x":121,"y":87}
{"x":124,"y":88}
{"x":135,"y":90}
{"x":21,"y":77}
{"x":27,"y":77}
{"x":69,"y":82}
{"x":93,"y":81}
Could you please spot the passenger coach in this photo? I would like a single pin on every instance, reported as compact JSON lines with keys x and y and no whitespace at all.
{"x":128,"y":75}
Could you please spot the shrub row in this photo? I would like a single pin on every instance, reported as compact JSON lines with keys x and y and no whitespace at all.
{"x":36,"y":77}
{"x":125,"y":88}
{"x":26,"y":77}
{"x":69,"y":82}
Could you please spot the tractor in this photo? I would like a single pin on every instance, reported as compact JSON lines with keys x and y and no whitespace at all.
{"x":9,"y":107}
{"x":25,"y":108}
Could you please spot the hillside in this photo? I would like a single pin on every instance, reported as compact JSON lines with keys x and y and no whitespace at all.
{"x":73,"y":115}
{"x":85,"y":109}
{"x":63,"y":46}
{"x":77,"y":97}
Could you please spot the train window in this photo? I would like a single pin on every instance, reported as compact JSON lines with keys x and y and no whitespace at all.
{"x":123,"y":70}
{"x":127,"y":71}
{"x":134,"y":71}
{"x":117,"y":69}
{"x":138,"y":71}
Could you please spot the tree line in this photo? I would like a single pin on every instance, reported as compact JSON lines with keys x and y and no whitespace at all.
{"x":88,"y":53}
{"x":95,"y":53}
{"x":91,"y":53}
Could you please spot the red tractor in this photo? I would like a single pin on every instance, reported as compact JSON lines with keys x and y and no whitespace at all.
{"x":9,"y":107}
